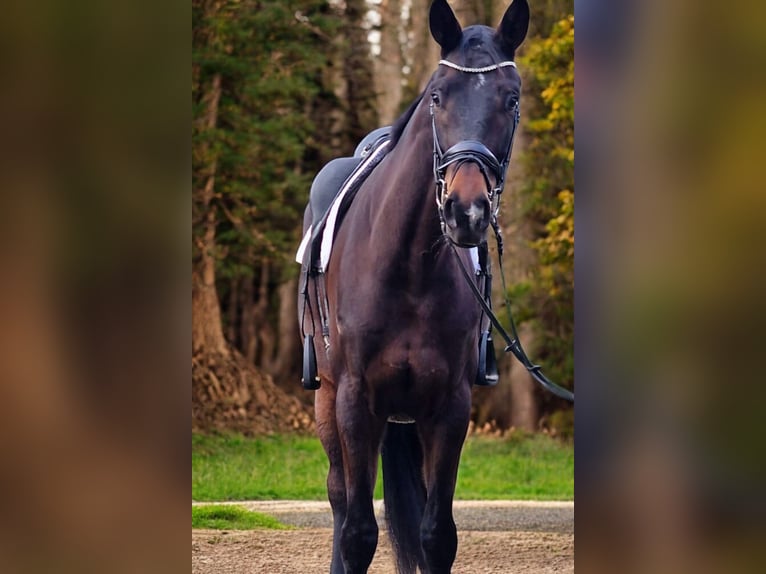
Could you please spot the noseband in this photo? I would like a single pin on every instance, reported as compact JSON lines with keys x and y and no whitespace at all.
{"x":473,"y":151}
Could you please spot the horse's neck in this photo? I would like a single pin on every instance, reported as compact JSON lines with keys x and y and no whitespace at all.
{"x":407,"y":218}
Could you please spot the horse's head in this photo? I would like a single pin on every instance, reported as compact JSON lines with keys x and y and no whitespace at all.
{"x":474,"y":103}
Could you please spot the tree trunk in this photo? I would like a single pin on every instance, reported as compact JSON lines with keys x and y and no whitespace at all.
{"x":285,"y":368}
{"x":357,"y":71}
{"x":228,"y":392}
{"x":388,"y":64}
{"x":525,"y":412}
{"x":423,"y":52}
{"x":520,"y":258}
{"x":260,"y":325}
{"x":233,"y":313}
{"x":247,"y":334}
{"x":207,"y":330}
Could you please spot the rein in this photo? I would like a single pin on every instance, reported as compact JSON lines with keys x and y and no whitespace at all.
{"x":513,"y":343}
{"x":472,"y":150}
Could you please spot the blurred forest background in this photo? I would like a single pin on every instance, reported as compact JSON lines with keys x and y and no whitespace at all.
{"x":280,"y":87}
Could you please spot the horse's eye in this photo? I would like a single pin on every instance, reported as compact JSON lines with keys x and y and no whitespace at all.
{"x":435,"y":99}
{"x":511,"y":101}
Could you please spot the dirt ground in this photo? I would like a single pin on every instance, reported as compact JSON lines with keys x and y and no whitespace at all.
{"x":495,"y":537}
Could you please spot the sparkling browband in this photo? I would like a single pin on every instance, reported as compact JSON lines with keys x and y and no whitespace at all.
{"x":478,"y":70}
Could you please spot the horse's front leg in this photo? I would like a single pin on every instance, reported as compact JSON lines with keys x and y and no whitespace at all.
{"x":443,"y":442}
{"x":360,"y":434}
{"x":327,"y":429}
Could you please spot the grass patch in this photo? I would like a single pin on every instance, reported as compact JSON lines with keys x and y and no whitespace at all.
{"x":519,"y":467}
{"x":526,"y":467}
{"x":232,"y":467}
{"x":230,"y":517}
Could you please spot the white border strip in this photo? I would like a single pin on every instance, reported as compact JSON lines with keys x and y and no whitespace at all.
{"x":303,"y":245}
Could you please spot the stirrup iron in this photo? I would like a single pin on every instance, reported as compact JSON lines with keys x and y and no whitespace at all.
{"x":488,"y":373}
{"x":310,"y":380}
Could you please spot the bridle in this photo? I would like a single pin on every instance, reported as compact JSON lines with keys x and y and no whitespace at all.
{"x":472,"y":151}
{"x":475,"y":151}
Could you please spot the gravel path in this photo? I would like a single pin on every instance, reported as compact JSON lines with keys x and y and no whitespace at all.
{"x":494,"y":537}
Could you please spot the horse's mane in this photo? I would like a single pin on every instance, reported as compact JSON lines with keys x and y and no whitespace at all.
{"x":401,"y":123}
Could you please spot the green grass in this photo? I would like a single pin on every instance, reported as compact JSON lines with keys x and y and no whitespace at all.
{"x":265,"y":468}
{"x":230,"y":517}
{"x":294,"y":467}
{"x":518,"y":467}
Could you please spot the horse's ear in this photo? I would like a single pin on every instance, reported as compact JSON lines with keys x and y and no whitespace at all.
{"x":513,"y":27}
{"x":444,"y":26}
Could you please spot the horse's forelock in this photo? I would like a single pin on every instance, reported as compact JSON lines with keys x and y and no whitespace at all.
{"x":478,"y":47}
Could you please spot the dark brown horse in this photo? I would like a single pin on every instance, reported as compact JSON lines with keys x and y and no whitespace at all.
{"x":403,"y":324}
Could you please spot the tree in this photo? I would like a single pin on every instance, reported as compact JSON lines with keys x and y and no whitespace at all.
{"x":255,"y":68}
{"x":518,"y":401}
{"x":361,"y":106}
{"x":547,"y":298}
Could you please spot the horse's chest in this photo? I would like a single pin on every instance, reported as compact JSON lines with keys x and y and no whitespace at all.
{"x":412,"y":353}
{"x":411,"y":375}
{"x":407,"y":337}
{"x":409,"y":362}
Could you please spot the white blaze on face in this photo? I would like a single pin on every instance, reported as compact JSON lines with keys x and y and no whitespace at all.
{"x":479,"y":81}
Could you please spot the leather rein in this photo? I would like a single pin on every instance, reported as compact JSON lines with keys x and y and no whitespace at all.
{"x":477,"y":152}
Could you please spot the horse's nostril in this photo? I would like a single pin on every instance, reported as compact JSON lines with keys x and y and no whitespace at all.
{"x":449,"y":212}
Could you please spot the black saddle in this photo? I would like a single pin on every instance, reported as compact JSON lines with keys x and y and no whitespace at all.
{"x":334,"y":174}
